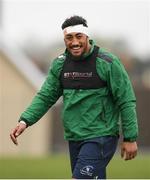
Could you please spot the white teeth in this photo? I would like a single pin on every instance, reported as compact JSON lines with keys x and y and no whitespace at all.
{"x":76,"y":48}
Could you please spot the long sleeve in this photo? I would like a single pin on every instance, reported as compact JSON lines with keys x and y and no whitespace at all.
{"x":124,"y":98}
{"x":47,"y":96}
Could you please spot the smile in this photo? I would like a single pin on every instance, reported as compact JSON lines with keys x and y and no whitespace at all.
{"x":76,"y":48}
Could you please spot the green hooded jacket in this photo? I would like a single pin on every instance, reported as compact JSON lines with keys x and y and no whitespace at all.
{"x":92,"y":112}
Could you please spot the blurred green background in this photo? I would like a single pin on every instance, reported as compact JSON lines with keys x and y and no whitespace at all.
{"x":58,"y":166}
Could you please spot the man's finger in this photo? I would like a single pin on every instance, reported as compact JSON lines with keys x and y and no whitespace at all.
{"x":130,"y":156}
{"x":19,"y":131}
{"x":13,"y":138}
{"x":133,"y":155}
{"x":123,"y":154}
{"x":13,"y":135}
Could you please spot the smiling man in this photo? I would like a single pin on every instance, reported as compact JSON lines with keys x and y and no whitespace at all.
{"x":96,"y":91}
{"x":76,"y":40}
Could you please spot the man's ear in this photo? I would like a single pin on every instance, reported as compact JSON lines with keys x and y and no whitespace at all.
{"x":87,"y":37}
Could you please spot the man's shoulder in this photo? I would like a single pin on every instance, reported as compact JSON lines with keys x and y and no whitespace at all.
{"x":106,"y":56}
{"x":59,"y":60}
{"x":61,"y":57}
{"x":56,"y":64}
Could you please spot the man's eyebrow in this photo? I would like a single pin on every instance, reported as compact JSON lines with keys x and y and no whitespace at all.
{"x":68,"y":35}
{"x":79,"y":33}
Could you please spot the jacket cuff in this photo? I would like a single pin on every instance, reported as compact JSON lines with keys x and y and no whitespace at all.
{"x":129,"y":139}
{"x":24,"y":121}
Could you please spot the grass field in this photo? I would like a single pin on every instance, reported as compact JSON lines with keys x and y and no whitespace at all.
{"x":58,"y":166}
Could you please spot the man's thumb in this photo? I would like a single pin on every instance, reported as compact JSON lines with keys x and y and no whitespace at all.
{"x":18,"y":132}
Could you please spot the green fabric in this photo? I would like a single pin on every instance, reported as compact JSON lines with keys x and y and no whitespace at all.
{"x":89,"y":113}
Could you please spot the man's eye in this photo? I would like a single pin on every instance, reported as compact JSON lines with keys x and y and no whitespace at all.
{"x":79,"y":36}
{"x":69,"y":38}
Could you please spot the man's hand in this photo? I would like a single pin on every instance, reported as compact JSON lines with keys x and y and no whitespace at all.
{"x":128,"y":150}
{"x":16,"y":132}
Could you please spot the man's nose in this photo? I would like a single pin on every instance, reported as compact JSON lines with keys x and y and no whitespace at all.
{"x":75,"y":42}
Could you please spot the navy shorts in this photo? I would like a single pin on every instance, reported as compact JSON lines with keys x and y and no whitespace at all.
{"x":89,"y":158}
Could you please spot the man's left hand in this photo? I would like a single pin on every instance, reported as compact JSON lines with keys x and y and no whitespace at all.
{"x":128,"y":150}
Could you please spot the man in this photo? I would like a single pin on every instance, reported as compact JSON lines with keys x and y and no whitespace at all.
{"x":96,"y":91}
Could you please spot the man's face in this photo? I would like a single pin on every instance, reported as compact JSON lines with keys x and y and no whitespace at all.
{"x":76,"y":43}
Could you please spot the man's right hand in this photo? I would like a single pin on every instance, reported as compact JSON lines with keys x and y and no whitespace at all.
{"x":17,"y":132}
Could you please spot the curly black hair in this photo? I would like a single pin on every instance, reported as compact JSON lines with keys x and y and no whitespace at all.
{"x":74,"y":20}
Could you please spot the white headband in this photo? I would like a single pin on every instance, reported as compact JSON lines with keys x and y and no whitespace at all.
{"x":76,"y":28}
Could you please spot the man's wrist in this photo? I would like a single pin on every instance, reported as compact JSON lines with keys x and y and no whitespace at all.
{"x":23,"y":122}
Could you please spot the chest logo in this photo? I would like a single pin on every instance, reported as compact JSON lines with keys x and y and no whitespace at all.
{"x":73,"y":75}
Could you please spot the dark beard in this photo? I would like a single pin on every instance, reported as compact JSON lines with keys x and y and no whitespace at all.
{"x":75,"y":58}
